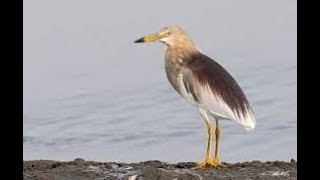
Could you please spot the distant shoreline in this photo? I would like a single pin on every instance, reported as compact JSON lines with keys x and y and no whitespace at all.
{"x":81,"y":169}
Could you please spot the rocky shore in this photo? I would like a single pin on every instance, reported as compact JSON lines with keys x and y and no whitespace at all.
{"x":80,"y":169}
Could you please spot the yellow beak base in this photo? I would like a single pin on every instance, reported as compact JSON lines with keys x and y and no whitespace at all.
{"x":149,"y":38}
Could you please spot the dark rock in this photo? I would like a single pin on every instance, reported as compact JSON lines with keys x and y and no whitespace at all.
{"x":156,"y":170}
{"x":79,"y":161}
{"x":155,"y":163}
{"x":186,"y":165}
{"x":151,"y":173}
{"x":110,"y":165}
{"x":55,"y":165}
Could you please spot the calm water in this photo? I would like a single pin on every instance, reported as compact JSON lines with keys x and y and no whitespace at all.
{"x":90,"y":92}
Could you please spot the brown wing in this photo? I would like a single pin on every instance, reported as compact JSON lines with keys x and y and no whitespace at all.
{"x":214,"y":87}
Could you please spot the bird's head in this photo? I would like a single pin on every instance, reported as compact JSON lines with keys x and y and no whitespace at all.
{"x":171,"y":36}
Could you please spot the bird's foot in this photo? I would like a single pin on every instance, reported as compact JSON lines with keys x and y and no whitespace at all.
{"x":211,"y":163}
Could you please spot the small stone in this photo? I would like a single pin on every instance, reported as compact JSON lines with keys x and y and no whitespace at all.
{"x":133,"y":177}
{"x":79,"y":161}
{"x":128,"y":167}
{"x":54,"y":165}
{"x":111,"y":166}
{"x":256,"y":164}
{"x":155,"y":163}
{"x":72,"y":163}
{"x":186,"y":165}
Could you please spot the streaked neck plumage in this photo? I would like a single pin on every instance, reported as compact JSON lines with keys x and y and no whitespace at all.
{"x":180,"y":48}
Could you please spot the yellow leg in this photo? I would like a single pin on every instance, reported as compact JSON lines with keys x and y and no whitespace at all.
{"x":216,"y":153}
{"x":216,"y":159}
{"x":209,"y":162}
{"x":210,"y":133}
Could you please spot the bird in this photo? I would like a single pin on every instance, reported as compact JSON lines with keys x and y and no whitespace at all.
{"x":205,"y":84}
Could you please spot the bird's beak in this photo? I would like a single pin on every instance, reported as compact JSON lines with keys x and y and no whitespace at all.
{"x":149,"y":38}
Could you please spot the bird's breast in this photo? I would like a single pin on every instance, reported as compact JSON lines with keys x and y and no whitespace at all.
{"x":173,"y":68}
{"x":173,"y":72}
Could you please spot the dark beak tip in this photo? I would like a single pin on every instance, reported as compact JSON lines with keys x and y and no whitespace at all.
{"x":141,"y":40}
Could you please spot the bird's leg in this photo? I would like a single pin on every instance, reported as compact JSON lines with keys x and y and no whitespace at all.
{"x":210,"y":134}
{"x":209,"y":162}
{"x":216,"y":159}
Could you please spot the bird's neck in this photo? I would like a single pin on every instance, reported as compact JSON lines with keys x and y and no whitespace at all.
{"x":181,"y":52}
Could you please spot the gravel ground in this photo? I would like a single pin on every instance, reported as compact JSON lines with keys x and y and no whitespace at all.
{"x":80,"y":169}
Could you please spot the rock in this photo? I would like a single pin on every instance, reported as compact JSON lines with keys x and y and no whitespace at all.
{"x":80,"y":169}
{"x":133,"y":177}
{"x":155,"y":163}
{"x":79,"y":161}
{"x":186,"y":165}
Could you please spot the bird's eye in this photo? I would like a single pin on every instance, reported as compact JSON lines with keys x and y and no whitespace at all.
{"x":168,"y":33}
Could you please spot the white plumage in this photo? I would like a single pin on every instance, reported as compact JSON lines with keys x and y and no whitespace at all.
{"x":213,"y":104}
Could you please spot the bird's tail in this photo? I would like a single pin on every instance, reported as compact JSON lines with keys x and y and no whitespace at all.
{"x":248,"y":120}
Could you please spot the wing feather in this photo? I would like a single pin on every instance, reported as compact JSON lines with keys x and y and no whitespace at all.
{"x":215,"y":90}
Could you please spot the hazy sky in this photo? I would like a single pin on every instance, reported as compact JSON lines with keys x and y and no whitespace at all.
{"x":65,"y":33}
